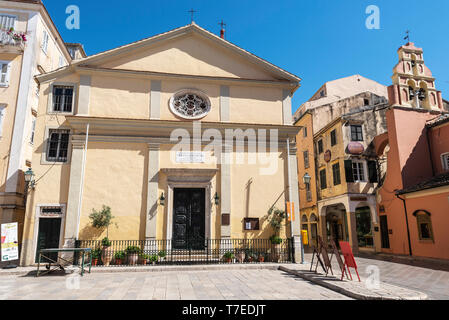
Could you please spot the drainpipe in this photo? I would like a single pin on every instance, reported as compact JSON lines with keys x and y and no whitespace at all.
{"x":406,"y":222}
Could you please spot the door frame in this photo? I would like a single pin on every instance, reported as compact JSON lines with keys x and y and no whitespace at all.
{"x":37,"y":218}
{"x":207,"y":212}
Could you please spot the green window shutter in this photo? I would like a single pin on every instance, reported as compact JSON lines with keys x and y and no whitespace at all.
{"x":372,"y":171}
{"x":348,"y":171}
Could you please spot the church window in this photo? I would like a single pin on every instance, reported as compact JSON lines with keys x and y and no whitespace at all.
{"x":190,"y":104}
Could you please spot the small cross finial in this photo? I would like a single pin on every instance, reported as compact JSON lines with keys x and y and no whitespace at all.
{"x":407,"y":37}
{"x":192,"y":12}
{"x":222,"y":24}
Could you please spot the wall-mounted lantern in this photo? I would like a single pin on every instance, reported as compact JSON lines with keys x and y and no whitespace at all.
{"x":217,"y":199}
{"x":306,"y":179}
{"x":162,"y":200}
{"x":29,"y":179}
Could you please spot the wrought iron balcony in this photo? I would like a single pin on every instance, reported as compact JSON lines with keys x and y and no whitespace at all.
{"x":11,"y":41}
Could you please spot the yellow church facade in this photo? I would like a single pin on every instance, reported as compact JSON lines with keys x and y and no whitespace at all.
{"x":182,"y":135}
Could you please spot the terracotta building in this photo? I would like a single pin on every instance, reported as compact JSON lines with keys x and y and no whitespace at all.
{"x":413,"y":202}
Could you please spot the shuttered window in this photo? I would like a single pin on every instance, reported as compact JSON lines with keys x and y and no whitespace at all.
{"x":336,"y":174}
{"x":306,"y":159}
{"x":356,"y":133}
{"x":2,"y":118}
{"x":323,"y":181}
{"x":358,"y":170}
{"x":7,"y":22}
{"x":5,"y":67}
{"x":445,"y":158}
{"x":45,"y":42}
{"x":372,"y":172}
{"x":348,"y":171}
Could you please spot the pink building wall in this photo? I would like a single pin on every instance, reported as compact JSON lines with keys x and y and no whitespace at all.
{"x":410,"y":162}
{"x":439,"y":142}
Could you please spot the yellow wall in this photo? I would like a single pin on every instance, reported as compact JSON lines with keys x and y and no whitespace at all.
{"x":338,"y":156}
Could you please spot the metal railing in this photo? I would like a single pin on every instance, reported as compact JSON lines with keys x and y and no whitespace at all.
{"x":169,"y":252}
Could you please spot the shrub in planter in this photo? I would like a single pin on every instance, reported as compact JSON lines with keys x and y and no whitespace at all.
{"x":118,"y":257}
{"x":276,"y":248}
{"x":228,"y":256}
{"x":261,"y":258}
{"x":107,"y":252}
{"x":153,"y":259}
{"x":132,"y":253}
{"x":241,"y":254}
{"x":162,"y":255}
{"x":144,"y":258}
{"x":96,"y":256}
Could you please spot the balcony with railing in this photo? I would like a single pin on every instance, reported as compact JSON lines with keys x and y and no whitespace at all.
{"x":12,"y":41}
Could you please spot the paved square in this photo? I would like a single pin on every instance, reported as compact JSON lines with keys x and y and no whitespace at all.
{"x":189,"y":285}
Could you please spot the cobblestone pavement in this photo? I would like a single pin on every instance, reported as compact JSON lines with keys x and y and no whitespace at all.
{"x":434,"y":283}
{"x":191,"y":285}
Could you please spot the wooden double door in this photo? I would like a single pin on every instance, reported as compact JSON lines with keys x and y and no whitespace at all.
{"x":189,"y":219}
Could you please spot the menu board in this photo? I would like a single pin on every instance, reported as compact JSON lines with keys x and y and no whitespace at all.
{"x":9,"y":242}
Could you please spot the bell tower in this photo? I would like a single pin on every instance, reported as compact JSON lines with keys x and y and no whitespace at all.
{"x":413,"y":83}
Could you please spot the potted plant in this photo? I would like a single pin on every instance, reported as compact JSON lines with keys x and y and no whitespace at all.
{"x":132,"y":253}
{"x":228,"y":256}
{"x":153,"y":259}
{"x":96,"y":256}
{"x":162,"y":254}
{"x":276,"y":247}
{"x":118,"y":257}
{"x":261,"y":258}
{"x":240,"y":255}
{"x":102,"y":219}
{"x":144,"y":258}
{"x":107,"y":252}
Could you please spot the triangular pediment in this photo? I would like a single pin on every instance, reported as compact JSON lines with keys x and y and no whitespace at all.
{"x":190,"y":50}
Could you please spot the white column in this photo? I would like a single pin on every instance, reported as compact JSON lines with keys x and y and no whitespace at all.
{"x":155,"y":100}
{"x":287,"y":107}
{"x":76,"y":169}
{"x":224,"y":104}
{"x":152,"y":193}
{"x":22,"y":107}
{"x":226,"y":189}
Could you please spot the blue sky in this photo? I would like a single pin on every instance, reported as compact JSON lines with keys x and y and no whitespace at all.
{"x":318,"y":40}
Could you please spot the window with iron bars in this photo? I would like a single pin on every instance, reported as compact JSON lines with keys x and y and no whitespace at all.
{"x":62,"y":99}
{"x":58,"y":145}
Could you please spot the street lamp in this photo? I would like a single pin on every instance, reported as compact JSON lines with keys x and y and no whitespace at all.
{"x":29,"y":179}
{"x":217,"y":199}
{"x":162,"y":200}
{"x":306,"y":178}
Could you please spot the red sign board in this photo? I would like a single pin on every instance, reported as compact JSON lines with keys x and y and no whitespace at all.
{"x":349,"y":257}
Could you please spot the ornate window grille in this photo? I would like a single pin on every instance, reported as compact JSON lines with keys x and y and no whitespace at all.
{"x":190,"y":104}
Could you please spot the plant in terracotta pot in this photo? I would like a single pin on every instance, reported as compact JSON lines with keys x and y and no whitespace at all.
{"x":241,"y":254}
{"x":107,"y":252}
{"x":132,"y":252}
{"x":119,"y":256}
{"x":96,"y":256}
{"x":261,"y":258}
{"x":228,"y":256}
{"x":144,"y":258}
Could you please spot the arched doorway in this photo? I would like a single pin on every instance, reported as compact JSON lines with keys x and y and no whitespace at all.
{"x":336,"y":224}
{"x":364,"y":227}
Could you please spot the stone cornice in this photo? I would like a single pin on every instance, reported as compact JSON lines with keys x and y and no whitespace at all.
{"x":159,"y":131}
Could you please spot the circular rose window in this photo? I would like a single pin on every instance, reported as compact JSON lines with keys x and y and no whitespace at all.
{"x":190,"y":104}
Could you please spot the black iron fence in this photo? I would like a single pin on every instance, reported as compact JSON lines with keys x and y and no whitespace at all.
{"x":167,"y":252}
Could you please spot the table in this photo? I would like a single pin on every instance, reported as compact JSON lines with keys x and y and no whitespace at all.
{"x":44,"y":253}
